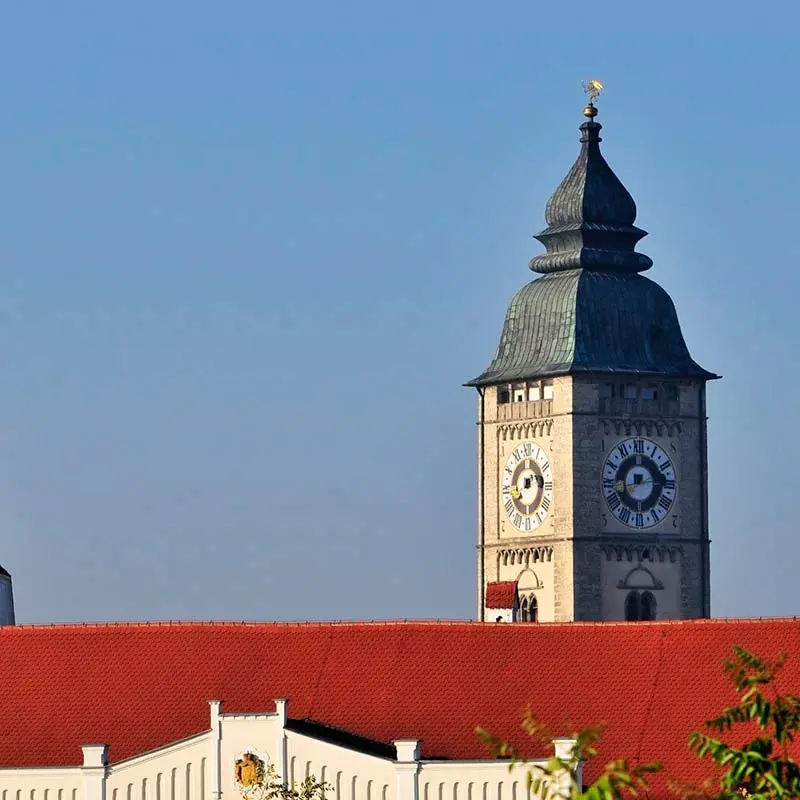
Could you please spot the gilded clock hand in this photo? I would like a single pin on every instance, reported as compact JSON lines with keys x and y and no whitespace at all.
{"x":620,"y":487}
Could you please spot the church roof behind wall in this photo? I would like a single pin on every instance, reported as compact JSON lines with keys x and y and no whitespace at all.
{"x":137,"y":687}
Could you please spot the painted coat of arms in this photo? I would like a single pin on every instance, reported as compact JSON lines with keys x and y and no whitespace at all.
{"x":249,"y":774}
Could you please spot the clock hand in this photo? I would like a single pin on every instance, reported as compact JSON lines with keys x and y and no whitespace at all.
{"x":621,"y":487}
{"x":641,"y":483}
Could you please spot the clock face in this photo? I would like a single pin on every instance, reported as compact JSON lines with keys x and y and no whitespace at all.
{"x":527,"y":487}
{"x":639,"y":482}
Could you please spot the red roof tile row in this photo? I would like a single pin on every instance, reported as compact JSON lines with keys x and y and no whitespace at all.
{"x":139,"y":686}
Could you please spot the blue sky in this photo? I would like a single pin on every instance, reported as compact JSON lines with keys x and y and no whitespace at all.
{"x":250,"y":251}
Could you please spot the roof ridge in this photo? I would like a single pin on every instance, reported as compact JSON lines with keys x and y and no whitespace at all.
{"x":379,"y":623}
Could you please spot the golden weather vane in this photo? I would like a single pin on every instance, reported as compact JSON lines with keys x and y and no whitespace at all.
{"x":592,"y":87}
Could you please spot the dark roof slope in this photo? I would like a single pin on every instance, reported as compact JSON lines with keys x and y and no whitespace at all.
{"x":583,"y":321}
{"x":140,"y":686}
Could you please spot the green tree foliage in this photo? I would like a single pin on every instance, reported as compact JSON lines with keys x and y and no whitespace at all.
{"x":271,"y":787}
{"x":761,"y":768}
{"x":560,"y":776}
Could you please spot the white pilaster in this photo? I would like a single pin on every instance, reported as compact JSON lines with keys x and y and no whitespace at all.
{"x":564,"y":749}
{"x":281,"y":745}
{"x":95,"y":758}
{"x":407,"y":769}
{"x":215,"y":708}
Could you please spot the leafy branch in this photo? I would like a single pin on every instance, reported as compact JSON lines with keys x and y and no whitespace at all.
{"x":559,"y":776}
{"x":762,"y":767}
{"x":271,"y":787}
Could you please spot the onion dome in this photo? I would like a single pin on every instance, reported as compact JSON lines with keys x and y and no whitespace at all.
{"x":590,"y":217}
{"x":591,"y":311}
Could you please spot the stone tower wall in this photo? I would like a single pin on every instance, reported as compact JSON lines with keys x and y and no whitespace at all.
{"x":582,"y":561}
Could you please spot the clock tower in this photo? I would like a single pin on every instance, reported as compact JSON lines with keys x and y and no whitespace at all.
{"x":592,"y":469}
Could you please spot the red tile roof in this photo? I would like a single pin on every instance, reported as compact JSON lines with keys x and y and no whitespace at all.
{"x":501,"y":594}
{"x":139,"y":686}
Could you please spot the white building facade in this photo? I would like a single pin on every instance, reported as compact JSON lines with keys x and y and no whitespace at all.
{"x":208,"y":766}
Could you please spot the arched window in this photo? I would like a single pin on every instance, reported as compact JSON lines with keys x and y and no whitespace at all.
{"x":648,"y":606}
{"x":640,"y":606}
{"x":633,"y":607}
{"x":529,"y":609}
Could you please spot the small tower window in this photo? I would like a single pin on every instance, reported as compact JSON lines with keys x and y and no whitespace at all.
{"x":633,"y":607}
{"x":640,"y":606}
{"x":648,"y":606}
{"x":503,"y":396}
{"x":629,"y":390}
{"x":535,"y":392}
{"x":519,"y":394}
{"x":607,"y":389}
{"x":547,"y":390}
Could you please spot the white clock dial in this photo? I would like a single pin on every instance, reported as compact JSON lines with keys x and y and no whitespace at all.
{"x":527,"y":487}
{"x":639,"y":482}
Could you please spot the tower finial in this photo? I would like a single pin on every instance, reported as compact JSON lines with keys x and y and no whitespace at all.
{"x":592,"y":87}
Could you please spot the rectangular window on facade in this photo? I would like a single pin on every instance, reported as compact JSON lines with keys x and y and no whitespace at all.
{"x":649,"y":393}
{"x":607,"y":389}
{"x":519,"y":394}
{"x":672,"y":392}
{"x":503,"y":396}
{"x":547,"y":390}
{"x":630,"y":391}
{"x":534,"y":392}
